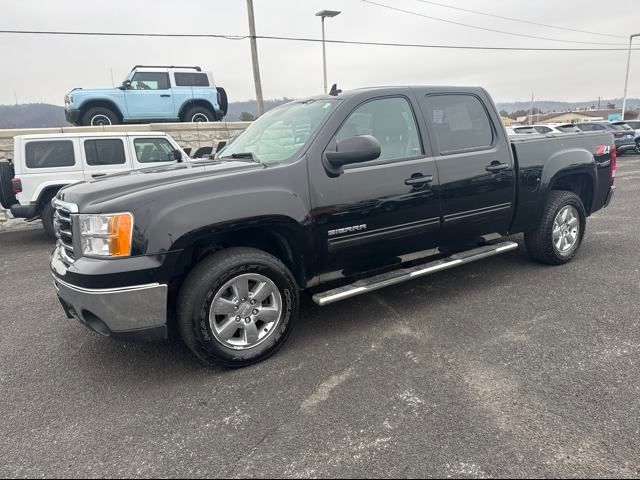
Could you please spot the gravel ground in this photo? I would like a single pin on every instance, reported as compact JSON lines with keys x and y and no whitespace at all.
{"x":501,"y":368}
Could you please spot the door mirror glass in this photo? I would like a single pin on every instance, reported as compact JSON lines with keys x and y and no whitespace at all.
{"x":363,"y":148}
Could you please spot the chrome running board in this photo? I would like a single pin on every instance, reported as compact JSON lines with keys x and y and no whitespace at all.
{"x":403,"y":274}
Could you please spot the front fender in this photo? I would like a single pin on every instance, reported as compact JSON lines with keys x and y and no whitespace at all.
{"x":179,"y":224}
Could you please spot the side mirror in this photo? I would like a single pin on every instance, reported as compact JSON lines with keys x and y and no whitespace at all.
{"x":177,"y":155}
{"x":363,"y":148}
{"x":126,"y":85}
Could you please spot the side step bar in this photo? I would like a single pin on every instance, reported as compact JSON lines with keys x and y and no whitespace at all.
{"x":402,"y":275}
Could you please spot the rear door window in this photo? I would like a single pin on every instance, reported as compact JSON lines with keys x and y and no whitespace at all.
{"x":105,"y":152}
{"x":460,"y":123}
{"x":191,"y":80}
{"x":50,"y":154}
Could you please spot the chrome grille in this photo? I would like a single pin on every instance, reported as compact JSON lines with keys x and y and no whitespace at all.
{"x":63,"y":224}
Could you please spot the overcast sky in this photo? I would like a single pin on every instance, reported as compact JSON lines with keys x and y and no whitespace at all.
{"x":44,"y":68}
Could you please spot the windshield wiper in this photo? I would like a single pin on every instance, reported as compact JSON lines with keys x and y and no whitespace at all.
{"x":242,"y":156}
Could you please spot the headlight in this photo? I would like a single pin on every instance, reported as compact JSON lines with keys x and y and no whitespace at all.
{"x":106,"y":235}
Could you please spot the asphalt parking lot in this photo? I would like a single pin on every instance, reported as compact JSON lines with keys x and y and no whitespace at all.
{"x":502,"y":368}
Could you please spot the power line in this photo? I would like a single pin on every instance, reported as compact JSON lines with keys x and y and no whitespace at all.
{"x":476,"y":27}
{"x":468,"y":10}
{"x":313,"y":40}
{"x":125,"y":34}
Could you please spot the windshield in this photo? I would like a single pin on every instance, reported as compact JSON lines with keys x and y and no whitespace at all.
{"x":280,"y":133}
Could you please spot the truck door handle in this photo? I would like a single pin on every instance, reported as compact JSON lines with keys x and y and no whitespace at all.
{"x":497,"y":167}
{"x":418,"y":179}
{"x":98,"y":175}
{"x":165,"y":95}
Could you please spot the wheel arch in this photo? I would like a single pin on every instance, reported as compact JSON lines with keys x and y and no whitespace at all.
{"x":283,"y":238}
{"x":574,"y":170}
{"x":195,"y":102}
{"x":110,"y":104}
{"x":46,"y":192}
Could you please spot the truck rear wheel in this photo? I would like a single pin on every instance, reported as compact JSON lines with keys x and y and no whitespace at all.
{"x":237,"y":307}
{"x":7,"y":197}
{"x":47,"y":220}
{"x":199,"y":114}
{"x":561,"y":229}
{"x":99,"y":117}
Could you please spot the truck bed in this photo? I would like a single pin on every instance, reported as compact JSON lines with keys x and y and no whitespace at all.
{"x":534,"y":153}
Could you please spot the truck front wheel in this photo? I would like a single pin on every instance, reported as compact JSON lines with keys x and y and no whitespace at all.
{"x":237,"y":307}
{"x":561,"y":229}
{"x":99,"y":117}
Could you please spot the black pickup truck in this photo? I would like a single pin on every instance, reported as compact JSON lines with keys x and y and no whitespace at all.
{"x":338,"y":195}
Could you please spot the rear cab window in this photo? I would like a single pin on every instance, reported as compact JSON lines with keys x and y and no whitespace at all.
{"x":49,"y":154}
{"x":460,"y":122}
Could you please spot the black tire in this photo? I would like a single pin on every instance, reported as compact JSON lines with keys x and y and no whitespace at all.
{"x":198,"y":114}
{"x":540,"y":241}
{"x":7,"y":197}
{"x":99,"y":116}
{"x":224,"y":101}
{"x":47,"y":220}
{"x":637,"y":146}
{"x":207,"y":279}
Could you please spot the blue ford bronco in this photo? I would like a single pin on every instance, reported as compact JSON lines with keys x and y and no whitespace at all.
{"x":150,"y":93}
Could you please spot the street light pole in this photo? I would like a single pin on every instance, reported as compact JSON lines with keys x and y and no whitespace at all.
{"x":324,"y":14}
{"x":626,"y":82}
{"x":254,"y":58}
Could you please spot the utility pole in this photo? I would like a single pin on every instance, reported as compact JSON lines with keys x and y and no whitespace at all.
{"x":626,"y":82}
{"x":254,"y":58}
{"x":531,"y":111}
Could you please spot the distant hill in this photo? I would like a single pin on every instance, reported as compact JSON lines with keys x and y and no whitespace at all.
{"x":554,"y":106}
{"x":43,"y":115}
{"x":31,"y":115}
{"x":40,"y":115}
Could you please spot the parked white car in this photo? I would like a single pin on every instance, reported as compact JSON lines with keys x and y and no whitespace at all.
{"x":43,"y":164}
{"x":557,"y":128}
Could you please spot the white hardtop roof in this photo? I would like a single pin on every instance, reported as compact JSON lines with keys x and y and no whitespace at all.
{"x":91,"y":134}
{"x":167,"y":69}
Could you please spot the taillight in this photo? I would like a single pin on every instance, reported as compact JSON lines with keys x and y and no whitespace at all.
{"x":614,"y":161}
{"x":219,"y":99}
{"x":16,"y":184}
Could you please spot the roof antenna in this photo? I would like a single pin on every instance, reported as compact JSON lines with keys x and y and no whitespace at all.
{"x":334,"y":90}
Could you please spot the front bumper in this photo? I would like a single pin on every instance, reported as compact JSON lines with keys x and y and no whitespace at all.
{"x":72,"y":115}
{"x":137,"y":312}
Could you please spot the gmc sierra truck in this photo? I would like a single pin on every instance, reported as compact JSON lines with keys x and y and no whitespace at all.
{"x":338,"y":195}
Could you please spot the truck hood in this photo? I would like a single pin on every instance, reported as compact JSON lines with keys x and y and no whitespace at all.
{"x":95,"y":92}
{"x":128,"y":190}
